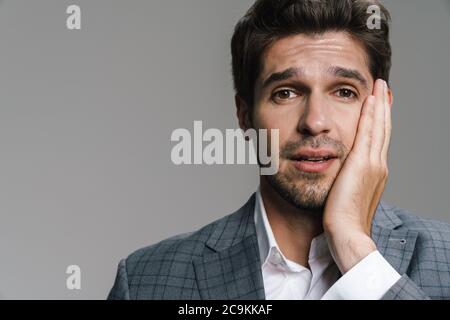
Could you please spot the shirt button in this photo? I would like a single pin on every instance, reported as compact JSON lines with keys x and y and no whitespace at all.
{"x":277,"y":258}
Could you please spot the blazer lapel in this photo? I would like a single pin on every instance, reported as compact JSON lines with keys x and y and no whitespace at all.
{"x":232,"y":267}
{"x":394,"y":243}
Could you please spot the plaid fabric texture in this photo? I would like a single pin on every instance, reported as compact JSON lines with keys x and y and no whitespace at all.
{"x":221,"y":260}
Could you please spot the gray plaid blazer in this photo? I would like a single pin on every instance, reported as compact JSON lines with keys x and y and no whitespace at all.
{"x":221,"y":260}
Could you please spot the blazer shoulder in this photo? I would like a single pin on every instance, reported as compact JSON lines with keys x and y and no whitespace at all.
{"x":164,"y":270}
{"x":180,"y":249}
{"x":429,"y":267}
{"x":428,"y":229}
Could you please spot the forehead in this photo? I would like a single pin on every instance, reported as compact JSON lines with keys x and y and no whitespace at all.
{"x":315,"y":54}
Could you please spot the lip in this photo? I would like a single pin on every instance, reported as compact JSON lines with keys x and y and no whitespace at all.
{"x":310,"y":166}
{"x":314,"y":153}
{"x":313,"y":167}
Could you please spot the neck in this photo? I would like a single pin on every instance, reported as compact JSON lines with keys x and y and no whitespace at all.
{"x":293,"y":228}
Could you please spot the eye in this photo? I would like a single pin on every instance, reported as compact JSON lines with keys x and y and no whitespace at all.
{"x":283,"y":95}
{"x":346,"y":93}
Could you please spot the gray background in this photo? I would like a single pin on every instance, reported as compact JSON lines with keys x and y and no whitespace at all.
{"x":86,"y":118}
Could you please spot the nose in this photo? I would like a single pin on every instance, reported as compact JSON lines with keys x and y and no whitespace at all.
{"x":315,"y":119}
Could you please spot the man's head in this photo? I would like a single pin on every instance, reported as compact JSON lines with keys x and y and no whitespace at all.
{"x":305,"y":67}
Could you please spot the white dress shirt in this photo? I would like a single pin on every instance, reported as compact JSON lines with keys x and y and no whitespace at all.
{"x":283,"y":279}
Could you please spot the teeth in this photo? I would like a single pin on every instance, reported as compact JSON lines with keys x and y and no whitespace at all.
{"x":315,"y":159}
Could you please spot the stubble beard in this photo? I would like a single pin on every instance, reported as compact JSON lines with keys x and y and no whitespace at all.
{"x":306,"y":191}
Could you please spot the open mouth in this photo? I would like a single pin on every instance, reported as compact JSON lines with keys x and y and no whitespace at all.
{"x":322,"y":159}
{"x":309,"y":160}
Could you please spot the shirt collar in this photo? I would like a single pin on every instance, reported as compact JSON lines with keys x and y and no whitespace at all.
{"x":268,"y":246}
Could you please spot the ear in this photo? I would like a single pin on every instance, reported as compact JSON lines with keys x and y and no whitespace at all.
{"x":243,"y":113}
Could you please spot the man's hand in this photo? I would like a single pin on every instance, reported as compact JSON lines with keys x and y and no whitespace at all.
{"x":355,"y":194}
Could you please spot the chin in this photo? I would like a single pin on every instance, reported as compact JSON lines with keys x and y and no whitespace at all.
{"x":306,"y":193}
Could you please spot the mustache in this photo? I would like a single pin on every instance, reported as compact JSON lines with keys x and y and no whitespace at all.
{"x":291,"y":147}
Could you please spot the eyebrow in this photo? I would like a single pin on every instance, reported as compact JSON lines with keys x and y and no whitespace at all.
{"x":336,"y":71}
{"x":281,"y":76}
{"x":348,"y":74}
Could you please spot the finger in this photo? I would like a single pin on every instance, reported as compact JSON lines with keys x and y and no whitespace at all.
{"x":363,"y":139}
{"x":388,"y":127}
{"x":378,"y":127}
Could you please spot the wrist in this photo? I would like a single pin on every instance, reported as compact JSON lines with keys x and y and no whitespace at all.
{"x":349,"y":249}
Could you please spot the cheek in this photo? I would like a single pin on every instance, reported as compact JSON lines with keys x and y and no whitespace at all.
{"x":267,"y":118}
{"x":348,"y":129}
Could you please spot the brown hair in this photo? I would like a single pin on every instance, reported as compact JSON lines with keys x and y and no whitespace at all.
{"x":269,"y":20}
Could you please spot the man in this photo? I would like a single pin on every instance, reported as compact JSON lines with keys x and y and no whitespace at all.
{"x":317,"y":229}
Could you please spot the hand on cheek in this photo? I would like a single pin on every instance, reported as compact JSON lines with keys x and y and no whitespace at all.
{"x":357,"y":190}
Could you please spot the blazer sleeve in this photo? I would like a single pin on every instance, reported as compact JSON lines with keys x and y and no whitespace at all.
{"x":405,"y":289}
{"x":120,"y":290}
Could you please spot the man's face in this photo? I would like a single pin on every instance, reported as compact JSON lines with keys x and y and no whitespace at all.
{"x":312,"y":89}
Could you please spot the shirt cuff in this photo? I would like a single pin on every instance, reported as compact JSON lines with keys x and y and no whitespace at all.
{"x":370,"y":279}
